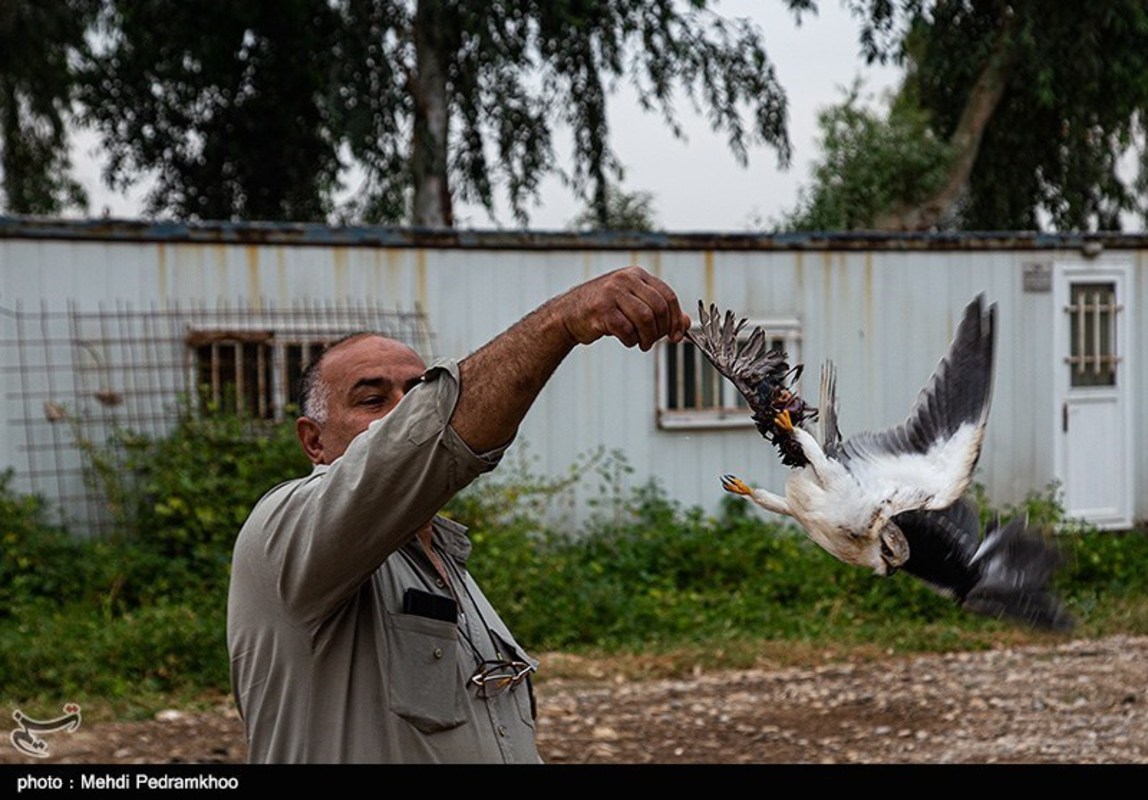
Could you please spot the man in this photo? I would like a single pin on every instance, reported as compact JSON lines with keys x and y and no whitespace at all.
{"x":356,"y":633}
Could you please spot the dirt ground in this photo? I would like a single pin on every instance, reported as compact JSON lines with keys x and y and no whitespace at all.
{"x":1075,"y":702}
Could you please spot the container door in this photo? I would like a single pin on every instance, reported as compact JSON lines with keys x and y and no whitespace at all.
{"x":1094,"y":452}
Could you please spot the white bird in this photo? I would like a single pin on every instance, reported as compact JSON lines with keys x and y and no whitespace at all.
{"x":893,"y":500}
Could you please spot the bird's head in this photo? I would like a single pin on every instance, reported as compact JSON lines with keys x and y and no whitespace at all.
{"x":892,"y":544}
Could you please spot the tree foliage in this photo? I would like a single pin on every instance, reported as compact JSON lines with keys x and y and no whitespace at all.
{"x":625,"y":211}
{"x":1075,"y":95}
{"x":38,"y":44}
{"x":1038,"y":102}
{"x":869,"y":162}
{"x":262,"y":110}
{"x":244,"y":110}
{"x":224,"y":105}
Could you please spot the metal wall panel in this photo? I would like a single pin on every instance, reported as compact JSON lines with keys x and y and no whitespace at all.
{"x":883,"y":309}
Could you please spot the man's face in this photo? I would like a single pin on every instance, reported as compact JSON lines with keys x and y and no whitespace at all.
{"x":366,"y":378}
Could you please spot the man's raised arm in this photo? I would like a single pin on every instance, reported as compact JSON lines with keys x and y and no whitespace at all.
{"x":500,"y":381}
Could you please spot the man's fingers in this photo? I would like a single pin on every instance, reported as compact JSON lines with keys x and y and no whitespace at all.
{"x":640,"y":309}
{"x":676,"y":322}
{"x":619,"y":326}
{"x":661,"y":301}
{"x":652,"y":308}
{"x":629,"y":304}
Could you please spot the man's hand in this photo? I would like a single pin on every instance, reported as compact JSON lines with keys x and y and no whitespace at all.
{"x":629,"y":304}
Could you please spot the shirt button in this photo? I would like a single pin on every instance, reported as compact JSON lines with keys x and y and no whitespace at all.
{"x":440,"y":583}
{"x":501,"y":730}
{"x":438,"y":652}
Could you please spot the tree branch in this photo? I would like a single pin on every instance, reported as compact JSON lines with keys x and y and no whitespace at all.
{"x":982,"y":102}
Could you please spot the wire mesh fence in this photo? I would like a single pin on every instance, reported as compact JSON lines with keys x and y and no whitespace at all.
{"x":73,"y":378}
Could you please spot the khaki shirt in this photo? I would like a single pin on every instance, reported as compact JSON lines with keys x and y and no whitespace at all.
{"x":325,"y":666}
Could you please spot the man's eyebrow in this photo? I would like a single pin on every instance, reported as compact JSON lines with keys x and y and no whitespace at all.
{"x":382,"y":383}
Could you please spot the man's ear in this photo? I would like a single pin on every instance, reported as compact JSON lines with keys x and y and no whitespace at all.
{"x":309,"y":433}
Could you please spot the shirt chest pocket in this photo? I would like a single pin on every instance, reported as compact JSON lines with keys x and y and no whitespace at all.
{"x":426,"y":686}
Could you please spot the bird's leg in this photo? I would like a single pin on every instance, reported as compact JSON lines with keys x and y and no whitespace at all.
{"x":767,"y":500}
{"x":735,"y":485}
{"x":784,"y":421}
{"x":818,"y":461}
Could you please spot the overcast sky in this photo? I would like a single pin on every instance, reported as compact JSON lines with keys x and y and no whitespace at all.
{"x":696,"y":184}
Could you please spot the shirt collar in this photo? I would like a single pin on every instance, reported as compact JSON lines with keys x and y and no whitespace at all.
{"x":451,"y":537}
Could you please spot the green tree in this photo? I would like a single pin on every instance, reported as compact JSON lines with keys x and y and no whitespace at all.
{"x":625,"y":211}
{"x":241,"y":110}
{"x":869,"y":162}
{"x":454,"y":99}
{"x":38,"y":43}
{"x":226,"y":106}
{"x":1038,"y":101}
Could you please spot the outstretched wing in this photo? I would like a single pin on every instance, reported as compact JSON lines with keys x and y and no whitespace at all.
{"x":761,"y":375}
{"x":1006,"y":574}
{"x":931,"y":455}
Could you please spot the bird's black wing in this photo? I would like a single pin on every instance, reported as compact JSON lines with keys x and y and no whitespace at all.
{"x":1006,"y":574}
{"x":762,"y":376}
{"x":941,"y":547}
{"x":1016,"y":566}
{"x":947,"y":420}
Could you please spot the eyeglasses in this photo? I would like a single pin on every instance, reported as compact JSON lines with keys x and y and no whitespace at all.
{"x":494,"y":677}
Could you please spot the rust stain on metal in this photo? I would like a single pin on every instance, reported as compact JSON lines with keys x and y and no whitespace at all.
{"x":394,"y":260}
{"x":281,"y":283}
{"x":195,"y":338}
{"x":652,"y":262}
{"x":161,"y":275}
{"x":708,"y":279}
{"x":340,"y":271}
{"x":421,"y":277}
{"x":251,"y":253}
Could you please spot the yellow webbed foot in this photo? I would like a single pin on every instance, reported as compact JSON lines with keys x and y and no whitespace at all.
{"x":735,"y":485}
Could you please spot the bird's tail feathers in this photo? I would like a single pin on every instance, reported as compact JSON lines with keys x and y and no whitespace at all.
{"x":762,"y":375}
{"x":830,"y":434}
{"x":1016,"y":566}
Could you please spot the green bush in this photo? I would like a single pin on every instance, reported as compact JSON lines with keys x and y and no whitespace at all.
{"x":143,"y":611}
{"x":39,"y":561}
{"x":186,"y":495}
{"x":74,"y":654}
{"x":664,"y":573}
{"x":650,"y":572}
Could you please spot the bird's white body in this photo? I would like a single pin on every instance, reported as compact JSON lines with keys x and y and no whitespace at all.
{"x":830,"y":500}
{"x":827,"y":501}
